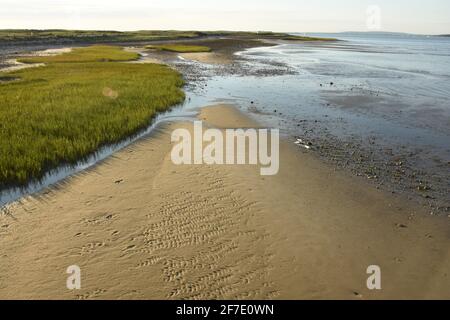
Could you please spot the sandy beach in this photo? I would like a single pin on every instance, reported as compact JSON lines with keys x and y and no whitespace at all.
{"x":140,"y":227}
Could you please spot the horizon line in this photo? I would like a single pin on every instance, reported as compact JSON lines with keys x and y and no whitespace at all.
{"x":224,"y":30}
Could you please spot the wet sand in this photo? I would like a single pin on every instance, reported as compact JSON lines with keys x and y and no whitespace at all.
{"x":140,"y":227}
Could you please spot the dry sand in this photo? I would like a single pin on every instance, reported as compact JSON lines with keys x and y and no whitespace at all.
{"x":207,"y":57}
{"x":142,"y":228}
{"x":144,"y":57}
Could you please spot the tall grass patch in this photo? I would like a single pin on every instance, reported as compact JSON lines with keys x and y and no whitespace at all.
{"x":88,"y":54}
{"x":64,"y":111}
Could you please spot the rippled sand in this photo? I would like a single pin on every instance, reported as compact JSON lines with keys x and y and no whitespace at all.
{"x":140,"y":227}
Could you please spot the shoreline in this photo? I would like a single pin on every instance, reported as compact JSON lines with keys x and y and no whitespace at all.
{"x":13,"y":193}
{"x":72,"y":122}
{"x":399,"y":164}
{"x":340,"y":154}
{"x":219,"y":232}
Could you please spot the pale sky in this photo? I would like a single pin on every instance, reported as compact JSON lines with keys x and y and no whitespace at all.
{"x":414,"y":16}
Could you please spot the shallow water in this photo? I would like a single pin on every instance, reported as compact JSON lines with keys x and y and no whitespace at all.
{"x":383,"y":98}
{"x":398,"y":89}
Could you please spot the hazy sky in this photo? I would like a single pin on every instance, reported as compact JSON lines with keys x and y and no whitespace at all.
{"x":416,"y":16}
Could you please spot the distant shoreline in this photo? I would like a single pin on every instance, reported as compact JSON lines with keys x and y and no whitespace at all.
{"x":62,"y":37}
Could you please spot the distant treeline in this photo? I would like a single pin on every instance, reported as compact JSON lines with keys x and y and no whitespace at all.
{"x":67,"y":36}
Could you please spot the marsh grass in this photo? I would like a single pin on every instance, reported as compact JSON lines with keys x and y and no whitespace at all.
{"x":64,"y":111}
{"x":180,"y":48}
{"x":86,"y":54}
{"x":91,"y":36}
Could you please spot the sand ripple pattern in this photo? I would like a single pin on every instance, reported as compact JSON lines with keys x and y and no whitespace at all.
{"x":201,"y":241}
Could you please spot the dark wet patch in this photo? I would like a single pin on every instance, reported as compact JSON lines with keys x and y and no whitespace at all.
{"x":8,"y":79}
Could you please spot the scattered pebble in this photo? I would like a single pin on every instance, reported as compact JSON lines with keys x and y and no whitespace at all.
{"x":306,"y":145}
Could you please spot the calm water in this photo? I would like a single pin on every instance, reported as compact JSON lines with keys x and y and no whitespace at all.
{"x":394,"y":87}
